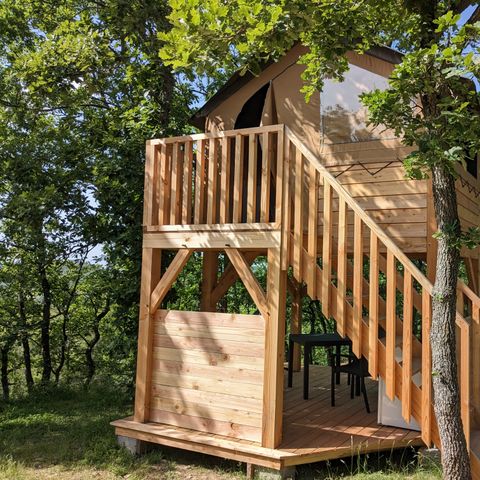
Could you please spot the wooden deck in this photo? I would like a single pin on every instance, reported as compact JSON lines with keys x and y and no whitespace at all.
{"x":313,"y":430}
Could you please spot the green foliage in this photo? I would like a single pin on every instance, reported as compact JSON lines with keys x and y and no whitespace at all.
{"x":81,"y":88}
{"x":241,"y":34}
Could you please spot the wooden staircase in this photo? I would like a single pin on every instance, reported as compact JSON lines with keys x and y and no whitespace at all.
{"x":341,"y":260}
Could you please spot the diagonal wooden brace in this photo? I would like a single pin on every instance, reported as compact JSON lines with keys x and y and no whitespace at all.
{"x":168,"y":278}
{"x":251,"y":284}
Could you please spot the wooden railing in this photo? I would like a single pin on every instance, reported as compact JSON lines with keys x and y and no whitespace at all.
{"x":389,"y":321}
{"x":214,"y":179}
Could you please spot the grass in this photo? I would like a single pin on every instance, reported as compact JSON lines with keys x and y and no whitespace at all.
{"x":65,"y":434}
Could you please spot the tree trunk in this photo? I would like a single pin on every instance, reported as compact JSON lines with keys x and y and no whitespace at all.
{"x":27,"y":359}
{"x":455,"y":457}
{"x":4,"y":372}
{"x":63,"y":350}
{"x":45,"y":326}
{"x":89,"y":354}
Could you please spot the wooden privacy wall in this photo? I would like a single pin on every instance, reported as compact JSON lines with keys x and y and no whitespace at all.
{"x":207,"y":372}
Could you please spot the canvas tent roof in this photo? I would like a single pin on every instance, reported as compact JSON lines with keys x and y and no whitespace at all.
{"x":237,"y":81}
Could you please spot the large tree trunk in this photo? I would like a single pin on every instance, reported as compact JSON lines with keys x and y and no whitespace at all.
{"x":455,"y":458}
{"x":27,"y":359}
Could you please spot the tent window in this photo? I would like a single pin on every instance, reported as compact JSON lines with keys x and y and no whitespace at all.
{"x":251,"y":113}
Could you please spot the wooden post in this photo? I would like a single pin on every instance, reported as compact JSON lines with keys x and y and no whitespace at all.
{"x":150,"y":277}
{"x":296,"y":323}
{"x":209,"y":280}
{"x":151,"y":262}
{"x":274,"y":351}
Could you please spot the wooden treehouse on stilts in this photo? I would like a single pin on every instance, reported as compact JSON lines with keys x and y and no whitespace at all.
{"x":323,"y":197}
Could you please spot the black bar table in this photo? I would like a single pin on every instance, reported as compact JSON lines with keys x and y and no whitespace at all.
{"x":308,"y":341}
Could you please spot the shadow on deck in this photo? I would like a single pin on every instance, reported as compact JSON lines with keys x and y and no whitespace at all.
{"x":315,"y":431}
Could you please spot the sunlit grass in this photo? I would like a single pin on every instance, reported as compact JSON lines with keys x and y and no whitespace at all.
{"x":66,"y":434}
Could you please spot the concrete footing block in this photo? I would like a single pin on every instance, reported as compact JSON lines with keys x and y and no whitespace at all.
{"x":263,"y":473}
{"x":429,"y":456}
{"x":134,"y":446}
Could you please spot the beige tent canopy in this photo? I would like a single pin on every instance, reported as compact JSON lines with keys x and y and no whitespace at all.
{"x":274,"y":96}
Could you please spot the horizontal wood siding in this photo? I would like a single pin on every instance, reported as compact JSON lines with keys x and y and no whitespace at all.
{"x":373,"y":173}
{"x":468,"y":197}
{"x":207,"y":372}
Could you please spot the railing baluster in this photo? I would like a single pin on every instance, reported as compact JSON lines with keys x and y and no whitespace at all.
{"x":200,"y":183}
{"x":357,"y":286}
{"x":225,"y":181}
{"x":407,"y":346}
{"x":298,"y":216}
{"x":426,"y":421}
{"x":173,"y":191}
{"x":238,"y":180}
{"x":265,"y":193}
{"x":312,"y":231}
{"x":341,"y":265}
{"x":327,"y":247}
{"x":187,"y":185}
{"x":252,"y":179}
{"x":156,"y":185}
{"x":288,"y":162}
{"x":164,"y":193}
{"x":373,"y":307}
{"x":212,"y":182}
{"x":391,"y":324}
{"x":281,"y":172}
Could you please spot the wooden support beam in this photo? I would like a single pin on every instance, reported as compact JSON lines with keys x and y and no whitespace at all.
{"x":168,"y":278}
{"x":209,"y":280}
{"x":274,"y":351}
{"x":252,"y":240}
{"x":229,"y":277}
{"x":251,"y":283}
{"x":150,"y":275}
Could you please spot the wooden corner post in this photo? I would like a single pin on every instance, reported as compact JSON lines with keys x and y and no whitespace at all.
{"x":275,"y":323}
{"x":274,"y":351}
{"x":151,"y":263}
